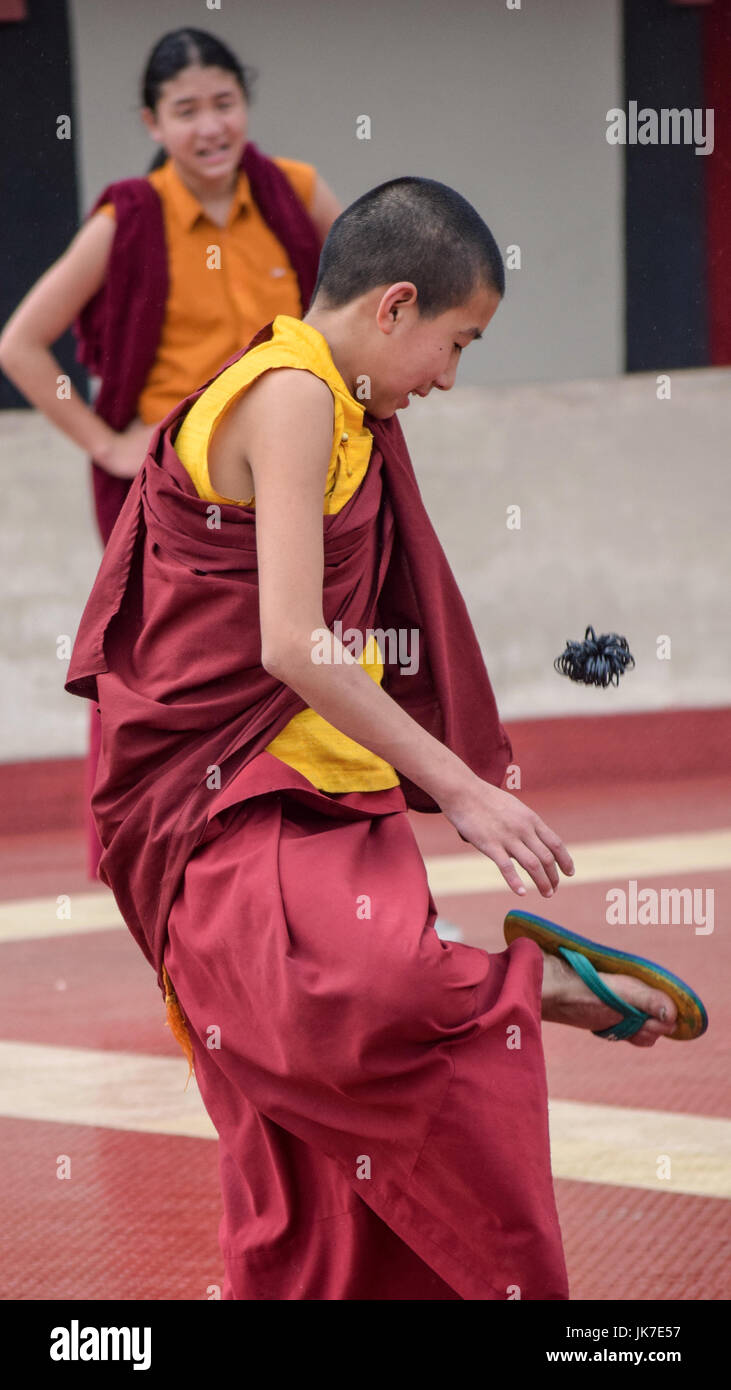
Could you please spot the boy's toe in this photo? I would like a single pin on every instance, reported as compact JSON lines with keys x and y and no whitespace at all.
{"x":664,"y":1012}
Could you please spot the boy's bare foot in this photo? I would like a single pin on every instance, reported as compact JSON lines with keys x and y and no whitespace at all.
{"x":566,"y":999}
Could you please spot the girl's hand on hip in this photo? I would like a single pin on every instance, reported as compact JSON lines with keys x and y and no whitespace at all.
{"x":125,"y":454}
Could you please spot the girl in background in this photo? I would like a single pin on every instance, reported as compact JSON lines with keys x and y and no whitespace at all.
{"x":170,"y":275}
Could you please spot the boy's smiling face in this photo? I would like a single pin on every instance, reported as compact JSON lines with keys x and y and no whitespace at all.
{"x":411,"y":354}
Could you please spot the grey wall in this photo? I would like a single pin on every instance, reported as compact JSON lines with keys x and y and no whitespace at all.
{"x":625,"y":519}
{"x":625,"y":512}
{"x":507,"y":106}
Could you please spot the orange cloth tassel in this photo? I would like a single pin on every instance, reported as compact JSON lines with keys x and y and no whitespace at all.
{"x":176,"y":1023}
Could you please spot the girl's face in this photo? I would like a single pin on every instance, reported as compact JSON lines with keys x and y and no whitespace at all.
{"x":201,"y":119}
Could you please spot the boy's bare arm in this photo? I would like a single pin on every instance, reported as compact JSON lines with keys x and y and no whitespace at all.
{"x":286,"y":420}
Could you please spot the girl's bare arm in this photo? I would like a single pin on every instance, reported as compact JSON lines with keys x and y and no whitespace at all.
{"x":41,"y":318}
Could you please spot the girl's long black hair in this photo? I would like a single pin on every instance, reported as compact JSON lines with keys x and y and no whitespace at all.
{"x":178,"y":50}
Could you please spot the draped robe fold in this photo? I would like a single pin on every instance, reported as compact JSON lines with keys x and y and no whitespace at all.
{"x":380,"y":1095}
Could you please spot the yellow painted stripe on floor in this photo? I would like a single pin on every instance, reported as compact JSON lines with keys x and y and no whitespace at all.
{"x":24,"y":918}
{"x":634,"y":1148}
{"x":113,"y":1090}
{"x":132,"y":1091}
{"x":468,"y":872}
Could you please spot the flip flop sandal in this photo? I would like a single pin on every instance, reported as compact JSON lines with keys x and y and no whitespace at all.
{"x":588,"y":957}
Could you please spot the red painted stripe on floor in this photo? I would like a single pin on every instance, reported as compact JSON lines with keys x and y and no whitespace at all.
{"x":92,"y":990}
{"x":137,"y":1219}
{"x":626,"y":1243}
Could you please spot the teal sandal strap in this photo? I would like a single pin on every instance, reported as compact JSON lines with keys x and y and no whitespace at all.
{"x":632,"y":1018}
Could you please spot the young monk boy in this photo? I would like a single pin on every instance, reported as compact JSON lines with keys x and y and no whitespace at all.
{"x":380,"y":1095}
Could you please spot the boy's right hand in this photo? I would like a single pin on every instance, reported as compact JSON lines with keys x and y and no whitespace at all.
{"x":124,"y":456}
{"x":505,"y":829}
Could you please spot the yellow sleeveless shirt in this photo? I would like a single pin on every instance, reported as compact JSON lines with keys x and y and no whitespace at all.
{"x":328,"y":758}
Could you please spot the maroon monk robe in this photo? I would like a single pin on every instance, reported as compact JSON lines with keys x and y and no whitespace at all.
{"x":379,"y":1095}
{"x":370,"y":1103}
{"x":177,"y":701}
{"x":118,"y":331}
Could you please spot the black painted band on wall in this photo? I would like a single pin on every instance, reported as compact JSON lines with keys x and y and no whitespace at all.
{"x":666,"y":286}
{"x":41,"y":214}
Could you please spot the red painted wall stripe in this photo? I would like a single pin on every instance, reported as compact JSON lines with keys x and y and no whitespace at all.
{"x":717,"y":91}
{"x":13,"y":10}
{"x":644,"y":747}
{"x":601,"y":749}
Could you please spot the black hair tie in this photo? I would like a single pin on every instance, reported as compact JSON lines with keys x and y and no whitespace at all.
{"x":596,"y":660}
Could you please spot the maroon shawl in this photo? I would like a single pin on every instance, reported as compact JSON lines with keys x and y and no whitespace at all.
{"x":169,"y":645}
{"x":119,"y":329}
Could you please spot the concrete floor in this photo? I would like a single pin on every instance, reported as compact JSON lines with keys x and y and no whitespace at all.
{"x":89,"y":1070}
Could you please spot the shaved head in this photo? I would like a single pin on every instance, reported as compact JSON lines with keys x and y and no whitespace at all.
{"x":410,"y":229}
